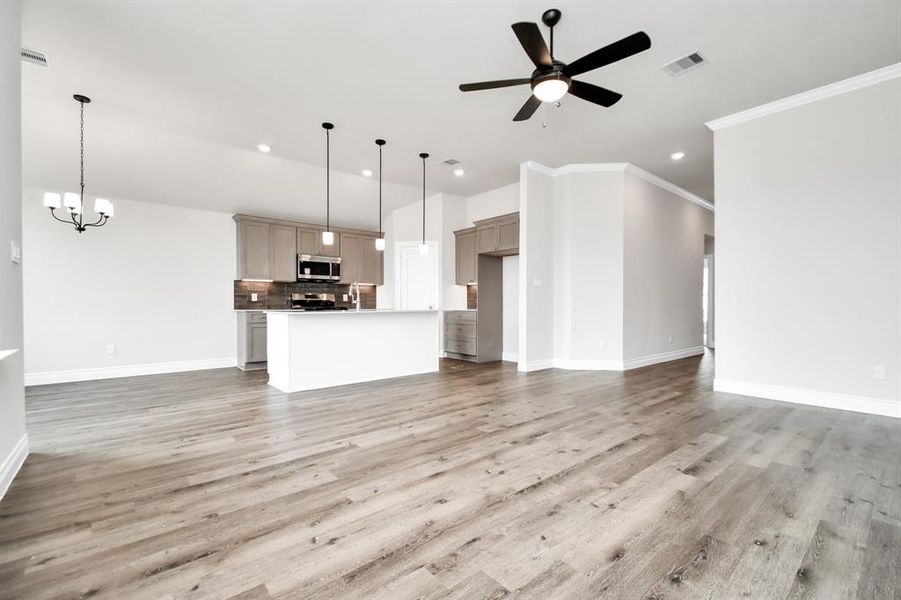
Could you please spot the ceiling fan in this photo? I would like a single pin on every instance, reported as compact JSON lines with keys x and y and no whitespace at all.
{"x":552,"y":79}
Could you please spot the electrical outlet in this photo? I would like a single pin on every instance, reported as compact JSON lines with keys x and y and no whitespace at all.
{"x":878,"y":372}
{"x":111,"y":349}
{"x":15,"y":252}
{"x":670,"y":338}
{"x":536,"y":282}
{"x":602,"y":344}
{"x":344,"y":297}
{"x":253,"y":297}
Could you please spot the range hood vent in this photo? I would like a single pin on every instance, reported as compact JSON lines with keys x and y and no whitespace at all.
{"x":685,"y":64}
{"x":35,"y":56}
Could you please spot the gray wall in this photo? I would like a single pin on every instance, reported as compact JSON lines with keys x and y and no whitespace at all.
{"x":808,"y":250}
{"x":12,"y":396}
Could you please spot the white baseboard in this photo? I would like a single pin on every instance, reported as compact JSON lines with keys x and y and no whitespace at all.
{"x":510,"y":356}
{"x":45,"y":377}
{"x":12,"y":463}
{"x":653,"y":359}
{"x":576,"y":364}
{"x":536,"y":365}
{"x":862,"y":404}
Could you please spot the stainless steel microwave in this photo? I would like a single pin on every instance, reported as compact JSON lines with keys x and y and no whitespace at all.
{"x":318,"y":268}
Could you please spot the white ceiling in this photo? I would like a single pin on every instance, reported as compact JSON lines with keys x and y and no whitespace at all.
{"x":178,"y":85}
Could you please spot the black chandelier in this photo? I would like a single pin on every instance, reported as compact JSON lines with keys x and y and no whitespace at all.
{"x":74,"y":202}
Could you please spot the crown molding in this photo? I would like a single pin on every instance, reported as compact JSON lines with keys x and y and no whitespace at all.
{"x":624,"y":168}
{"x":820,"y":93}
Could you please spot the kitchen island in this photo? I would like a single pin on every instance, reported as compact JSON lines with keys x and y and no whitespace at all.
{"x":308,"y":350}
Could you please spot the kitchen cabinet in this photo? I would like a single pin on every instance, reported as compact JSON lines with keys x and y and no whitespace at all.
{"x":266,"y":251}
{"x":309,"y":241}
{"x":508,"y":233}
{"x":283,"y":255}
{"x":465,"y":263}
{"x":487,"y":237}
{"x":360,"y":261}
{"x":253,"y":250}
{"x":498,"y":236}
{"x":251,"y":340}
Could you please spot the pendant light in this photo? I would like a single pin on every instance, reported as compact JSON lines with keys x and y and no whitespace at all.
{"x":74,"y":202}
{"x":380,"y":241}
{"x":328,"y":238}
{"x":423,"y":247}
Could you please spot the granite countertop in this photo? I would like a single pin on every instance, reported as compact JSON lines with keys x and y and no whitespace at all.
{"x":365,"y":311}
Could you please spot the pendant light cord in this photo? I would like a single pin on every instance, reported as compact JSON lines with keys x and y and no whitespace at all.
{"x":380,"y":190}
{"x":423,"y":199}
{"x":327,"y":182}
{"x":81,"y":213}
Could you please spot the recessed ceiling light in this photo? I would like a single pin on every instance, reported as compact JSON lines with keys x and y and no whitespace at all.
{"x":677,"y":155}
{"x":459,"y":172}
{"x":264,"y":147}
{"x":367,"y":172}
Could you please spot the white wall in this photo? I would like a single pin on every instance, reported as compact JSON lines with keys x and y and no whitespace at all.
{"x":664,"y":268}
{"x":808,"y":251}
{"x":493,"y":203}
{"x":588,"y":273}
{"x":13,"y":441}
{"x":510,"y":286}
{"x":536,"y":269}
{"x":157,"y":282}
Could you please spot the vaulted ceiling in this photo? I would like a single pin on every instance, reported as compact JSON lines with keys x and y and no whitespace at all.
{"x":178,"y":85}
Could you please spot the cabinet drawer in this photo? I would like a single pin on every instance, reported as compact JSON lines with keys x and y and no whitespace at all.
{"x":468,"y":316}
{"x":256,"y":317}
{"x":460,"y":330}
{"x":460,"y":346}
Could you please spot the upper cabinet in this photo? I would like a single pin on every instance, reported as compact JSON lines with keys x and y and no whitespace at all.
{"x":309,"y":241}
{"x":360,"y":261}
{"x":268,"y":249}
{"x":265,"y":251}
{"x":466,"y":258}
{"x":498,"y":236}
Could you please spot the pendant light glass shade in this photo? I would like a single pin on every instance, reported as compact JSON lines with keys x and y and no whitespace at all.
{"x":52,"y":200}
{"x":71,"y":200}
{"x":380,"y":241}
{"x":328,"y":238}
{"x":423,"y":248}
{"x":380,"y":244}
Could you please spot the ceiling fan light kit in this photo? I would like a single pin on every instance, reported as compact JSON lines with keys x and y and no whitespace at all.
{"x":552,"y":79}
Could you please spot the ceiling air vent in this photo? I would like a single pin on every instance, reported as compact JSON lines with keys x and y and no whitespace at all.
{"x":451,"y":162}
{"x":686,"y":63}
{"x":35,"y":56}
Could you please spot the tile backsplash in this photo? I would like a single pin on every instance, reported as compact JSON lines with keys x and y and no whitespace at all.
{"x":472,"y":296}
{"x":277,"y":294}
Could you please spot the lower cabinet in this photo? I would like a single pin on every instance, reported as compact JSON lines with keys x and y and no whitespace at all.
{"x":460,"y":334}
{"x":251,"y":340}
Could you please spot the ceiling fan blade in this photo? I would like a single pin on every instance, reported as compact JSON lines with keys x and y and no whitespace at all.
{"x":490,"y":85}
{"x":594,"y":93}
{"x":528,"y":109}
{"x":624,"y":48}
{"x":530,"y":37}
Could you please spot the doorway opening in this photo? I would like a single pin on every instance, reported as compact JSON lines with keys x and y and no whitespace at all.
{"x":707,"y":295}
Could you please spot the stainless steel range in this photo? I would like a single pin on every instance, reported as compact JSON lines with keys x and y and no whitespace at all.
{"x":314,"y":302}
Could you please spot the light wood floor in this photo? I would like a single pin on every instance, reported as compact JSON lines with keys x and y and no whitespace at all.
{"x":476,"y":482}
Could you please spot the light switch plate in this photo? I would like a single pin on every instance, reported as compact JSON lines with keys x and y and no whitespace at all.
{"x":111,"y":349}
{"x":253,"y":297}
{"x":15,"y":252}
{"x":878,"y":372}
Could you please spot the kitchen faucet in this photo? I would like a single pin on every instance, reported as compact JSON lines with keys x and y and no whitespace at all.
{"x":355,"y":294}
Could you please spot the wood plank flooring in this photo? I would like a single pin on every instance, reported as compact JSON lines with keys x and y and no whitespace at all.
{"x":475,"y":482}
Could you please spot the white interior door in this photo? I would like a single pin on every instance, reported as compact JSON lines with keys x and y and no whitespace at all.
{"x":418,"y":281}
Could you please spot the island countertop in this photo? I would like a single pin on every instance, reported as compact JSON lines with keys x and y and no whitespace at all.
{"x":350,"y":311}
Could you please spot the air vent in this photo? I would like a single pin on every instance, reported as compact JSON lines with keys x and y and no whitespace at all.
{"x":451,"y":162}
{"x":684,"y":64}
{"x":35,"y":56}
